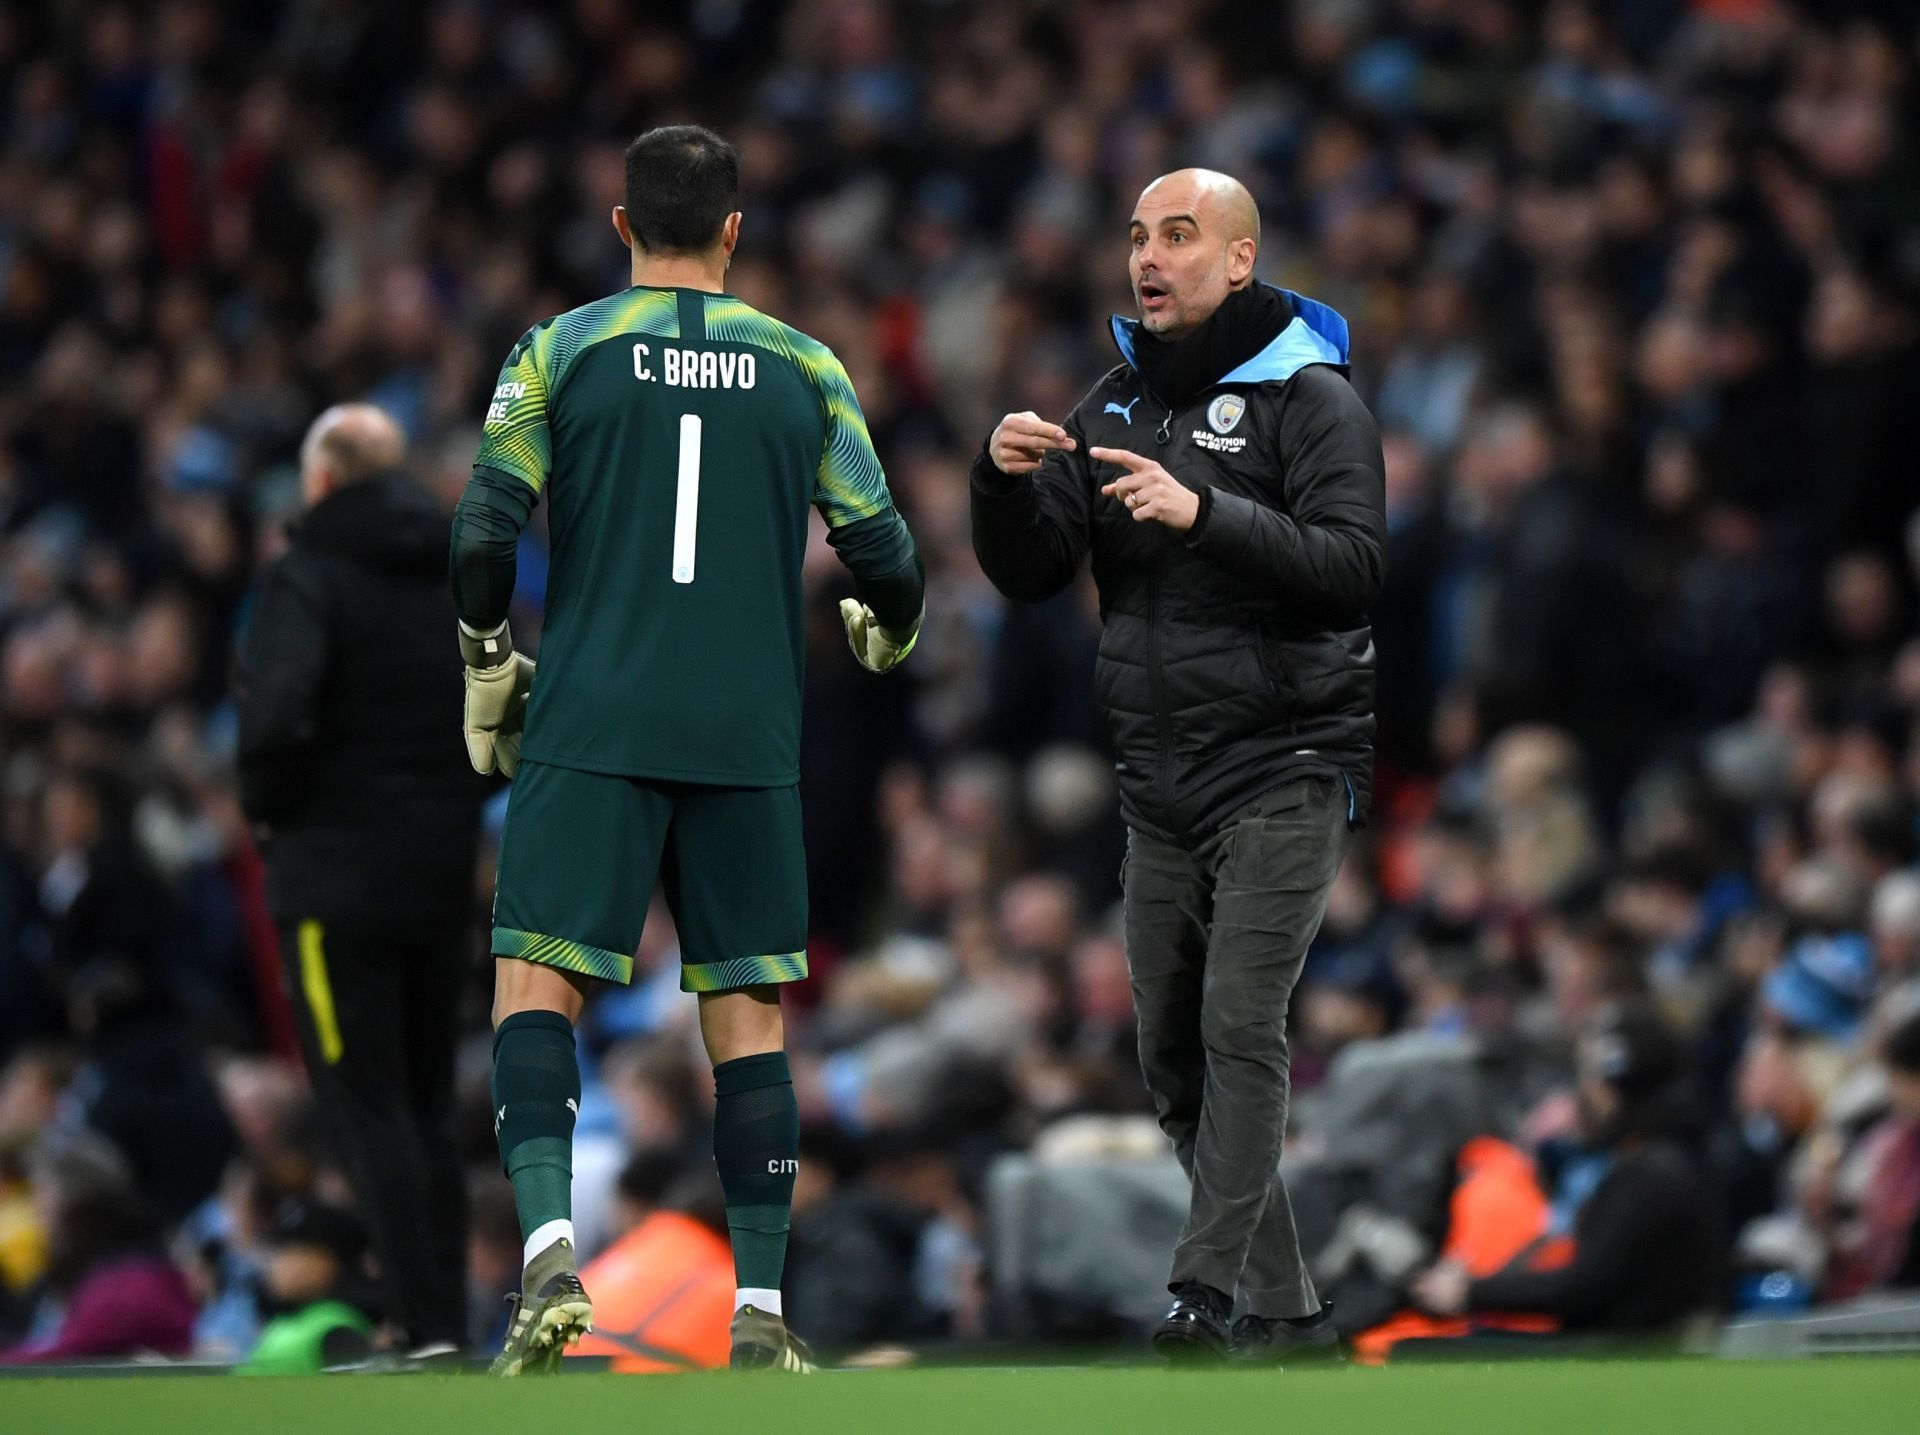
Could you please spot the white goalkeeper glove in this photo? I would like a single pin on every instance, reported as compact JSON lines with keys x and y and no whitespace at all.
{"x":878,"y":650}
{"x":498,"y":681}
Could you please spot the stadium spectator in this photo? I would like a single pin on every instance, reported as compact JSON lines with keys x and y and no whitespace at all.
{"x":141,"y":1088}
{"x":850,"y":1265}
{"x":1879,"y":1243}
{"x":1647,"y":1250}
{"x":108,"y":1290}
{"x":315,"y":1284}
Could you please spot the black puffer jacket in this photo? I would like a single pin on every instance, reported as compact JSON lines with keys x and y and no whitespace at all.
{"x":348,"y":691}
{"x":1239,"y":653}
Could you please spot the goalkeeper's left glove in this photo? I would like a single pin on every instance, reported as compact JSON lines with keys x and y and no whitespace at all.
{"x":498,"y":681}
{"x":877,"y":649}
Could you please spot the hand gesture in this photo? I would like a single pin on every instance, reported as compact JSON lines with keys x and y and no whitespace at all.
{"x":1022,"y":440}
{"x":1149,"y":491}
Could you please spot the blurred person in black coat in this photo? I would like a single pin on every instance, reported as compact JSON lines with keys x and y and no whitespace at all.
{"x":371,"y":816}
{"x":144,"y":1087}
{"x":852,"y":1256}
{"x":97,"y":892}
{"x":1649,"y":1245}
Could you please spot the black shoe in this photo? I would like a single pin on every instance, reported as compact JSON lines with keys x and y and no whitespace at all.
{"x":1195,"y":1329}
{"x":1261,"y":1340}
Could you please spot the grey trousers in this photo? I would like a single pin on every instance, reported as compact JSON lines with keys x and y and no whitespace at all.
{"x":1216,"y":937}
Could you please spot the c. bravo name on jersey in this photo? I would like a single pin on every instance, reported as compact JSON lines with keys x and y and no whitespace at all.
{"x":694,"y":368}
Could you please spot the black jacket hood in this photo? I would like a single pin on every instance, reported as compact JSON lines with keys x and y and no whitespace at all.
{"x":388,"y":522}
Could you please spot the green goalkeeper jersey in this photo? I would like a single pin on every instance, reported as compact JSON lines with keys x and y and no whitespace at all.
{"x":678,"y":437}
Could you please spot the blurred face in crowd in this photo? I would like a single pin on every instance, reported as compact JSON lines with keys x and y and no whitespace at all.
{"x":1895,"y":924}
{"x":1102,"y":992}
{"x":648,"y":1085}
{"x":71,"y":816}
{"x":29,"y":1092}
{"x":1039,"y":914}
{"x":298,"y":1275}
{"x":1770,"y":1082}
{"x":1194,"y":235}
{"x":1331,"y":1018}
{"x":1862,"y":602}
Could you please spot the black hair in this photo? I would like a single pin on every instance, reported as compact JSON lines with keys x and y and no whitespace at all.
{"x":1673,"y":864}
{"x":682,"y":183}
{"x":1638,"y":1051}
{"x":648,"y":1176}
{"x":697,"y":1194}
{"x":1644,"y":1060}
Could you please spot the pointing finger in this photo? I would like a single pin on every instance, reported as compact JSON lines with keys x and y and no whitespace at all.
{"x":1123,"y":457}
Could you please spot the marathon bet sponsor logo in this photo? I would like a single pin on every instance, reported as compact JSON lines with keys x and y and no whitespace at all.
{"x":1222,"y":414}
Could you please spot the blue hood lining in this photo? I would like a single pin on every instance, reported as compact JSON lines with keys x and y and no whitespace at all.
{"x":1317,"y":335}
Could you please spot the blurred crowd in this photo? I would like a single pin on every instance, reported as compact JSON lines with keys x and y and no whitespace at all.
{"x":1635,"y":293}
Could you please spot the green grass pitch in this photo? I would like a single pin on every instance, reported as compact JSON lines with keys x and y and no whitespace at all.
{"x":1845,"y":1397}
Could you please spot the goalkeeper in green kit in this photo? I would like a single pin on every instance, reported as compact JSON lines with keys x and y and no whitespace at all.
{"x":679,"y":437}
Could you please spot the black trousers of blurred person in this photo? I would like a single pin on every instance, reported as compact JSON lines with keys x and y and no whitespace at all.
{"x":378,"y":1005}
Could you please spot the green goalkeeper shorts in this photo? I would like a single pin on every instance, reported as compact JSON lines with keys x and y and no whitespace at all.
{"x":581,"y":853}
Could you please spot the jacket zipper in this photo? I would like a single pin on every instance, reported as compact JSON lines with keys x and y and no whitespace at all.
{"x":1163,"y":775}
{"x":1163,"y":778}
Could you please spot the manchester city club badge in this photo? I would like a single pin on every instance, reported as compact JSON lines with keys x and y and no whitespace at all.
{"x":1224,"y":412}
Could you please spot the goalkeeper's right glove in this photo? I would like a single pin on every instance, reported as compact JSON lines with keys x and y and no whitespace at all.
{"x":878,"y":650}
{"x":498,"y":681}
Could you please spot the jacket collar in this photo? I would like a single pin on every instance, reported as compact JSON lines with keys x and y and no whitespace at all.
{"x":1317,"y":335}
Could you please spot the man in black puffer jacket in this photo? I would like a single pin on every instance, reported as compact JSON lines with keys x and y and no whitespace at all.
{"x":371,"y":817}
{"x":1229,"y":486}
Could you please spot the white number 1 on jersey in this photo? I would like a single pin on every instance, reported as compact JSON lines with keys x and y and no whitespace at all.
{"x":686,"y":506}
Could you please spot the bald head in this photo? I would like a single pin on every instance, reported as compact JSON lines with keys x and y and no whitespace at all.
{"x":1195,"y":235}
{"x":348,"y":443}
{"x":1222,"y":203}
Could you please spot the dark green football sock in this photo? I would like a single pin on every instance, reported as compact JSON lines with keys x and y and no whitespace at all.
{"x":536,"y":1095}
{"x":756,"y":1144}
